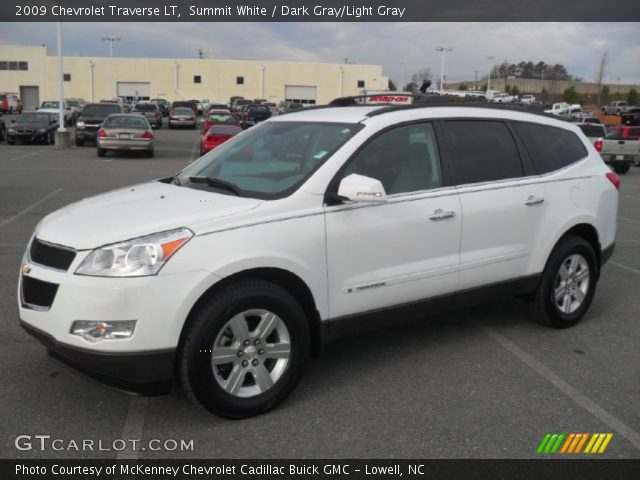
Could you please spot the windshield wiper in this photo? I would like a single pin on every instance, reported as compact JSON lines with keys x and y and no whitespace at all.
{"x":218,"y":183}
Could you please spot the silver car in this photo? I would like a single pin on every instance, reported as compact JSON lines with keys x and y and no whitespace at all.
{"x":182,"y":117}
{"x":125,"y":132}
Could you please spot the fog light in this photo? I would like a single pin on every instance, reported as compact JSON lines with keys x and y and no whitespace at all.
{"x":96,"y":330}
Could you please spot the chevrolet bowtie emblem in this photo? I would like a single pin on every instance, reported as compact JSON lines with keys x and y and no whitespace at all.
{"x":25,"y":269}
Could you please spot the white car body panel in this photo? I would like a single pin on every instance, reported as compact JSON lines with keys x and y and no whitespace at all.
{"x":388,"y":254}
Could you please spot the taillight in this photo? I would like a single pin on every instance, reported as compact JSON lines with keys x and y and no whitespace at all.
{"x":147,"y":134}
{"x":615,"y":179}
{"x":102,"y":133}
{"x":598,"y":145}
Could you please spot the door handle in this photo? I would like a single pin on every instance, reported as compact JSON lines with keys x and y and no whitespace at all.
{"x":440,"y":214}
{"x":533,"y":200}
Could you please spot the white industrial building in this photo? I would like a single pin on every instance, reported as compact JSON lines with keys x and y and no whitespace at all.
{"x":32,"y":72}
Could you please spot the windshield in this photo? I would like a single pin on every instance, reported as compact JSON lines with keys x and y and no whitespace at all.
{"x":221,"y":118}
{"x":49,"y":105}
{"x":182,"y":111}
{"x":592,"y":130}
{"x":271,"y":160}
{"x":100,"y":110}
{"x":33,"y":118}
{"x":145,"y":107}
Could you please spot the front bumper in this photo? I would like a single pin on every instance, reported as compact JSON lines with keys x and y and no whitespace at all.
{"x":26,"y":137}
{"x":147,"y":373}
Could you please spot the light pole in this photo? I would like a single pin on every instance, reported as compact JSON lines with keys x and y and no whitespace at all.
{"x":93,"y":91}
{"x":442,"y":50}
{"x":489,"y":76}
{"x":111,"y":39}
{"x":262,"y":69}
{"x":62,"y":135}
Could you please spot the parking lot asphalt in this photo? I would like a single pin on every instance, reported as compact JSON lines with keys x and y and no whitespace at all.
{"x":484,"y":382}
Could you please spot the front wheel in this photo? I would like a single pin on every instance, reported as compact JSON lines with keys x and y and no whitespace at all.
{"x":622,"y":168}
{"x":568,"y":283}
{"x":244,"y":350}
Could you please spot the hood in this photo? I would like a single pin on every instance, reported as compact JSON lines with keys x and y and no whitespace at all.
{"x":135,"y":211}
{"x":31,"y":125}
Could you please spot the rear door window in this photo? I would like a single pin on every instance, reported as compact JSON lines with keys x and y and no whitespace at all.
{"x":482,"y":151}
{"x":550,"y":148}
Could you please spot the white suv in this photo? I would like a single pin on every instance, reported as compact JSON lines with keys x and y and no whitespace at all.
{"x":230,"y":274}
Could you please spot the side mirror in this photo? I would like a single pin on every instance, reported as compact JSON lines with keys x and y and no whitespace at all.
{"x":358,"y":188}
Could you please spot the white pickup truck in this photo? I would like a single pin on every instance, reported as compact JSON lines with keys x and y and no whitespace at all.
{"x":616,"y":108}
{"x":621,"y":154}
{"x":53,"y":106}
{"x":563,"y":108}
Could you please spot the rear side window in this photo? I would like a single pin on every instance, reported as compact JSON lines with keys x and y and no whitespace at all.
{"x":483,"y":151}
{"x":592,"y":130}
{"x":550,"y":148}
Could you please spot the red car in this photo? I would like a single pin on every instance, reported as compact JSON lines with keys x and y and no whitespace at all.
{"x":218,"y":117}
{"x":217,"y":135}
{"x":624,"y":132}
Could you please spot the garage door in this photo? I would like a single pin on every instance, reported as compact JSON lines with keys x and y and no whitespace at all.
{"x":300,"y":94}
{"x":134,"y":90}
{"x":30,"y":97}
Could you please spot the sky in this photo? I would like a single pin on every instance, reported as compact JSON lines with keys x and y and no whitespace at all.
{"x":401,"y":48}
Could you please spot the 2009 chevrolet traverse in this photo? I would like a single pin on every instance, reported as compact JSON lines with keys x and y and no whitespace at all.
{"x":230,"y":274}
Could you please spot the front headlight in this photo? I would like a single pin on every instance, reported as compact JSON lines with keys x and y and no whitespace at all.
{"x":138,"y":257}
{"x":11,"y":130}
{"x":42,"y":130}
{"x":79,"y":124}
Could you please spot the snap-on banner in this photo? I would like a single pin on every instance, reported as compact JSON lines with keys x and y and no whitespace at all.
{"x":319,"y":11}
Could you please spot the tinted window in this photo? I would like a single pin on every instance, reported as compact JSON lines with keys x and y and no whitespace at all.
{"x":224,"y":130}
{"x":145,"y":107}
{"x":404,"y":159}
{"x":483,"y":151}
{"x":99,"y":110}
{"x":592,"y":130}
{"x":125,"y":122}
{"x":550,"y":148}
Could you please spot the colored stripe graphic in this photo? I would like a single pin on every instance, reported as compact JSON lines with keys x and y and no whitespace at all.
{"x":573,"y":443}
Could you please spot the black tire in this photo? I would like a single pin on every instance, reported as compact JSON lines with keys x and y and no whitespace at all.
{"x":49,"y":140}
{"x":149,"y":153}
{"x":101,"y":152}
{"x":622,"y":168}
{"x":545,"y":308}
{"x":2,"y":132}
{"x":10,"y":142}
{"x":79,"y":142}
{"x":194,"y":364}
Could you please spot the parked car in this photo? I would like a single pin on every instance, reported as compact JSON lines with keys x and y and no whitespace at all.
{"x":32,"y":127}
{"x":128,"y":132}
{"x":631,"y":116}
{"x":503,"y":98}
{"x":252,"y":114}
{"x":594,"y":132}
{"x":272,"y":107}
{"x":53,"y":107}
{"x":216,"y":117}
{"x":185,"y":103}
{"x":216,"y":135}
{"x":217,"y":106}
{"x":229,"y":274}
{"x":10,"y":102}
{"x":625,"y":132}
{"x":163,"y":105}
{"x":76,"y":107}
{"x":562,"y":108}
{"x":239,"y":104}
{"x":182,"y":117}
{"x":527,"y":99}
{"x":150,"y":111}
{"x":232,"y":100}
{"x":91,"y":117}
{"x":616,"y":108}
{"x":286,"y":107}
{"x":620,"y":154}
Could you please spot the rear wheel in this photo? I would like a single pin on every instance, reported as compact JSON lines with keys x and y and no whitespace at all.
{"x":149,"y":153}
{"x":245,"y":349}
{"x":101,"y":152}
{"x":622,"y":168}
{"x":568,"y":283}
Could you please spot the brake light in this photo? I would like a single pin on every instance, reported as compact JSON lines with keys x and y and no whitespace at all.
{"x":102,"y":133}
{"x":615,"y":179}
{"x":598,"y":145}
{"x":147,"y":134}
{"x":216,"y":138}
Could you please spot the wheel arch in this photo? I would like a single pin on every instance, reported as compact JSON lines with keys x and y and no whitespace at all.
{"x":589,"y":233}
{"x":285,"y":279}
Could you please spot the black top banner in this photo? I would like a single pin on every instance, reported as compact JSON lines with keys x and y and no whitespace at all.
{"x":319,"y":10}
